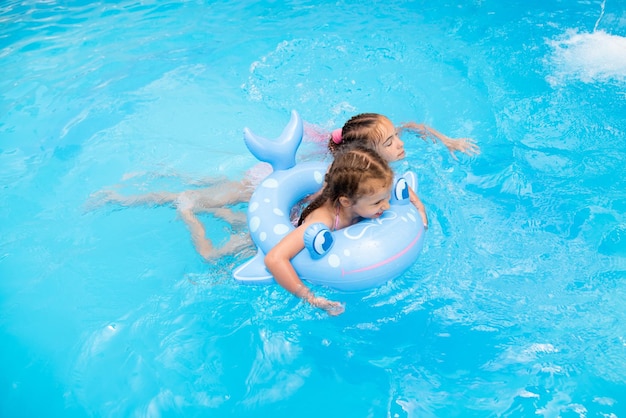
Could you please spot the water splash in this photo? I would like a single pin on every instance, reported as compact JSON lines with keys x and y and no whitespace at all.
{"x":588,"y":57}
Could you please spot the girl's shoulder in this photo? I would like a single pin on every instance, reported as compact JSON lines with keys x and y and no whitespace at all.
{"x":320,"y":215}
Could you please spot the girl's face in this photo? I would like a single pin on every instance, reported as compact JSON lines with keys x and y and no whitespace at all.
{"x":372,"y":205}
{"x":390,"y":147}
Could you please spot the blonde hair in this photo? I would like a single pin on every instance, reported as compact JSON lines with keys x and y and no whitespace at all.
{"x":349,"y":176}
{"x":365,"y":129}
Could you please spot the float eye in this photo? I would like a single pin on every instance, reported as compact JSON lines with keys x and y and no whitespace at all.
{"x":401,"y":190}
{"x":322,"y":242}
{"x":318,"y":240}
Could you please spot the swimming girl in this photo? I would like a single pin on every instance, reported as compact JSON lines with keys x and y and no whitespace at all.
{"x":357,"y":185}
{"x":378,"y":132}
{"x":368,"y":125}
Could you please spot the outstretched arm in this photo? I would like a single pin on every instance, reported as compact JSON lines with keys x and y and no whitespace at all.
{"x":278,"y":262}
{"x":465,"y":145}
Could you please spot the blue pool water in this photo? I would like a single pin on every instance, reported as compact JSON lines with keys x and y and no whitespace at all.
{"x":514,"y":308}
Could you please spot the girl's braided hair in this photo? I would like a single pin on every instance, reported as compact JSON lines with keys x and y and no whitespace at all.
{"x":349,"y":176}
{"x":364,"y":129}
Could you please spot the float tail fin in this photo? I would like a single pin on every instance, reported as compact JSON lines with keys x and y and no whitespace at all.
{"x":281,"y":152}
{"x":253,"y":271}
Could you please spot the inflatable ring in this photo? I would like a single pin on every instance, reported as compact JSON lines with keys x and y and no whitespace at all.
{"x":361,"y":256}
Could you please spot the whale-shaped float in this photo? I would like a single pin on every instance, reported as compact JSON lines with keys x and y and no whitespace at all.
{"x":361,"y":256}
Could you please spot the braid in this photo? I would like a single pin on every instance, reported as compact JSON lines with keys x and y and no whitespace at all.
{"x":363,"y":129}
{"x":315,"y":204}
{"x":349,"y":176}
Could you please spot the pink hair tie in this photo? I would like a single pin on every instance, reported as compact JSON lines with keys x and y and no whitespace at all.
{"x":336,"y":136}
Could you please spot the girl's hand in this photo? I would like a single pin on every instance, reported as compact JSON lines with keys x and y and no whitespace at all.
{"x":331,"y":308}
{"x":465,"y":145}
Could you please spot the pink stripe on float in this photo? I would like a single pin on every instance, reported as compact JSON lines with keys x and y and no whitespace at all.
{"x":382,"y":263}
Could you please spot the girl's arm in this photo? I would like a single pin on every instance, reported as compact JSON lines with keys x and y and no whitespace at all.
{"x":417,"y":202}
{"x":278,"y":262}
{"x":465,"y":145}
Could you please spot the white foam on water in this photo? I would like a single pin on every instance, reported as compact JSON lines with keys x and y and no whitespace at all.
{"x":588,"y":57}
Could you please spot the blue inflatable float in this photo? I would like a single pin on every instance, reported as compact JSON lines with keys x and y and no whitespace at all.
{"x":358,"y":257}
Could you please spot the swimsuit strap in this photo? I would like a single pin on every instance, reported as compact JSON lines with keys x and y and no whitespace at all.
{"x":336,"y":219}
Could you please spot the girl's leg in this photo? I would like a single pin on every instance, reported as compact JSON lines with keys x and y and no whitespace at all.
{"x":220,"y":195}
{"x":104,"y":197}
{"x":230,"y":216}
{"x":204,"y":246}
{"x":198,"y":234}
{"x":236,"y":244}
{"x":206,"y":199}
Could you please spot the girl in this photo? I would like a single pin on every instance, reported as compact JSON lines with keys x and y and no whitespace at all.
{"x":364,"y":125}
{"x":378,"y":132}
{"x":357,"y":185}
